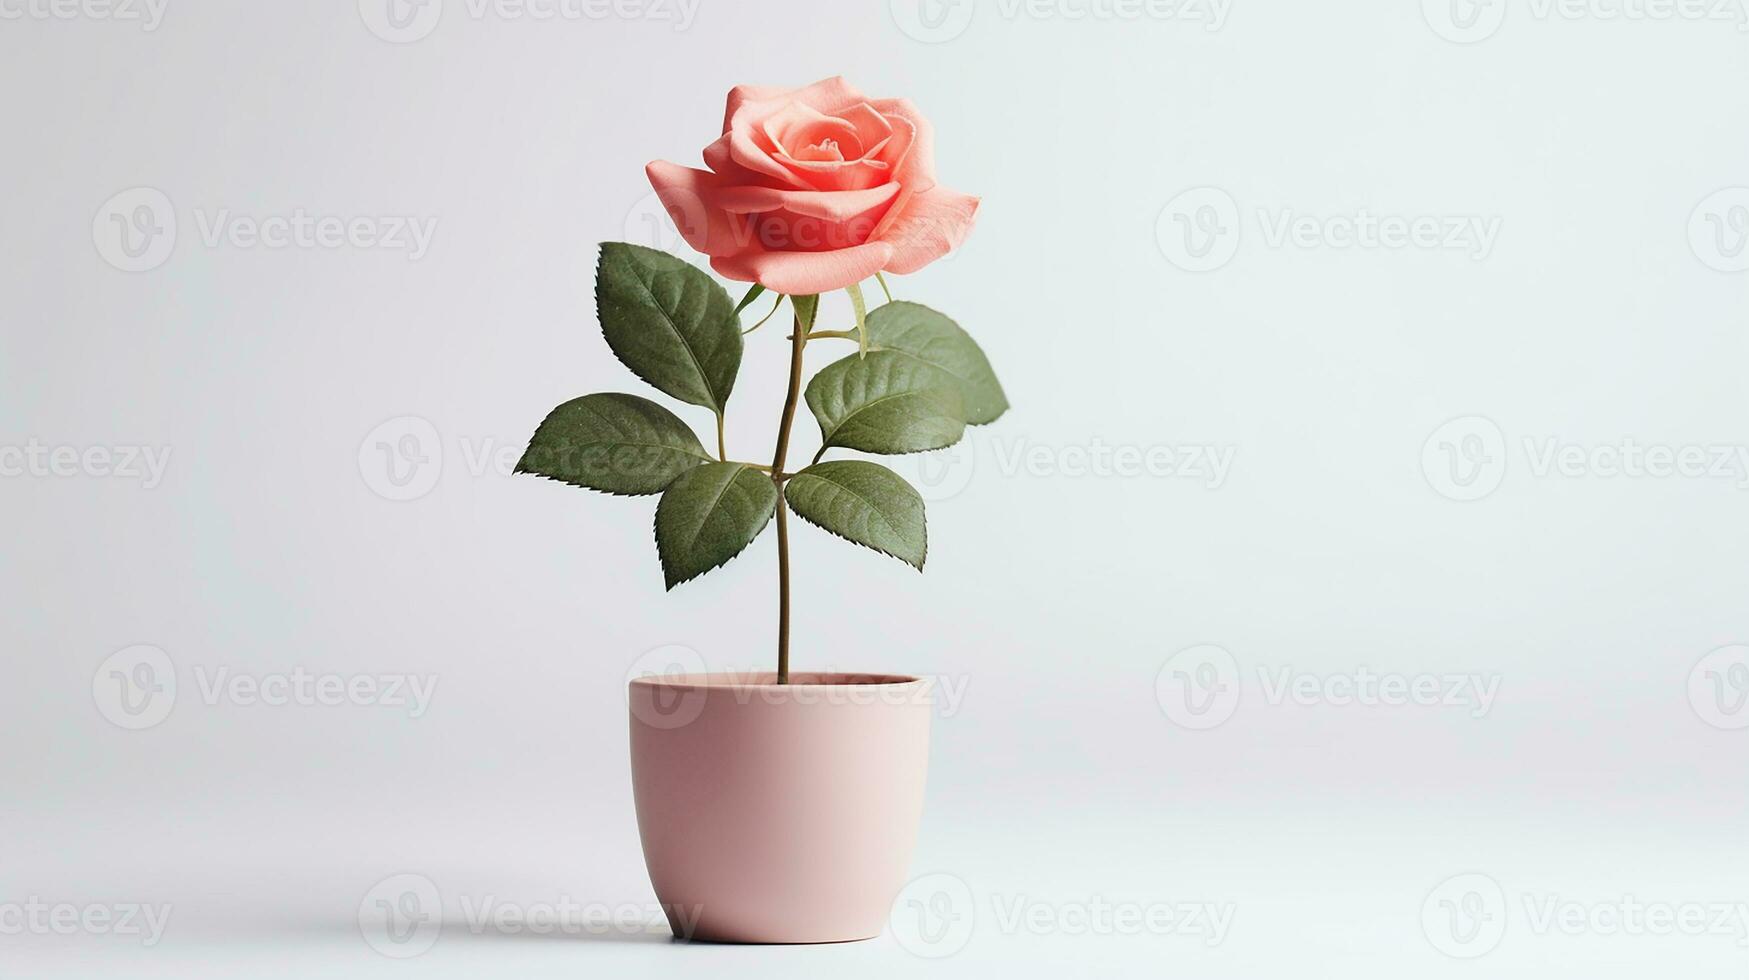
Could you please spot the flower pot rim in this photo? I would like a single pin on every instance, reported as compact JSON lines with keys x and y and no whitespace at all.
{"x":767,"y":680}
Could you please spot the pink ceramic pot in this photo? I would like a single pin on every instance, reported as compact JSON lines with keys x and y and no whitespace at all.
{"x":778,"y":813}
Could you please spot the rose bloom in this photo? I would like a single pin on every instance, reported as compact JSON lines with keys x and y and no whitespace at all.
{"x":814,"y":189}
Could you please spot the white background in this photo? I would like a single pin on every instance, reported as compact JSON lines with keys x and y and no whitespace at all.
{"x":1609,"y":764}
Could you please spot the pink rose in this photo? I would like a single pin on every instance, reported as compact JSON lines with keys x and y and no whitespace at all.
{"x":814,"y":189}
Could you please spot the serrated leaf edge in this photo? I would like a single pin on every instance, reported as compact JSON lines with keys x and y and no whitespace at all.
{"x":750,"y":538}
{"x":519,"y":471}
{"x":1006,"y":405}
{"x":828,"y":439}
{"x":716,"y":405}
{"x":703,"y":454}
{"x":862,"y":544}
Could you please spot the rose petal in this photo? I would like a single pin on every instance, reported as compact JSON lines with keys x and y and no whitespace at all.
{"x":826,"y":205}
{"x":743,"y":94}
{"x":913,"y":162}
{"x":818,"y":159}
{"x":872,"y":128}
{"x":827,"y":95}
{"x":718,"y":158}
{"x":686,"y":195}
{"x":805,"y":273}
{"x":750,"y":148}
{"x":794,"y":127}
{"x":929,"y":226}
{"x":808,"y":221}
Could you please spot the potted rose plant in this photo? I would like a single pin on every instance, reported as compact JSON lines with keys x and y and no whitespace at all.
{"x":781,"y":807}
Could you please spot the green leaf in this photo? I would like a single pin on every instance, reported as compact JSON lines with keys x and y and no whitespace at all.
{"x":887,"y":402}
{"x":748,"y":298}
{"x":669,"y":322}
{"x":612,"y":442}
{"x":865,"y":503}
{"x":806,"y":308}
{"x":768,"y":315}
{"x":709,"y":515}
{"x":920,"y":332}
{"x":859,"y":307}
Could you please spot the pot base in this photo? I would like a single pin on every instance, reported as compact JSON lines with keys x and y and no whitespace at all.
{"x":778,"y":813}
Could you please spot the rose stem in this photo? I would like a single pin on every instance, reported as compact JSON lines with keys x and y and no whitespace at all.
{"x":797,"y":342}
